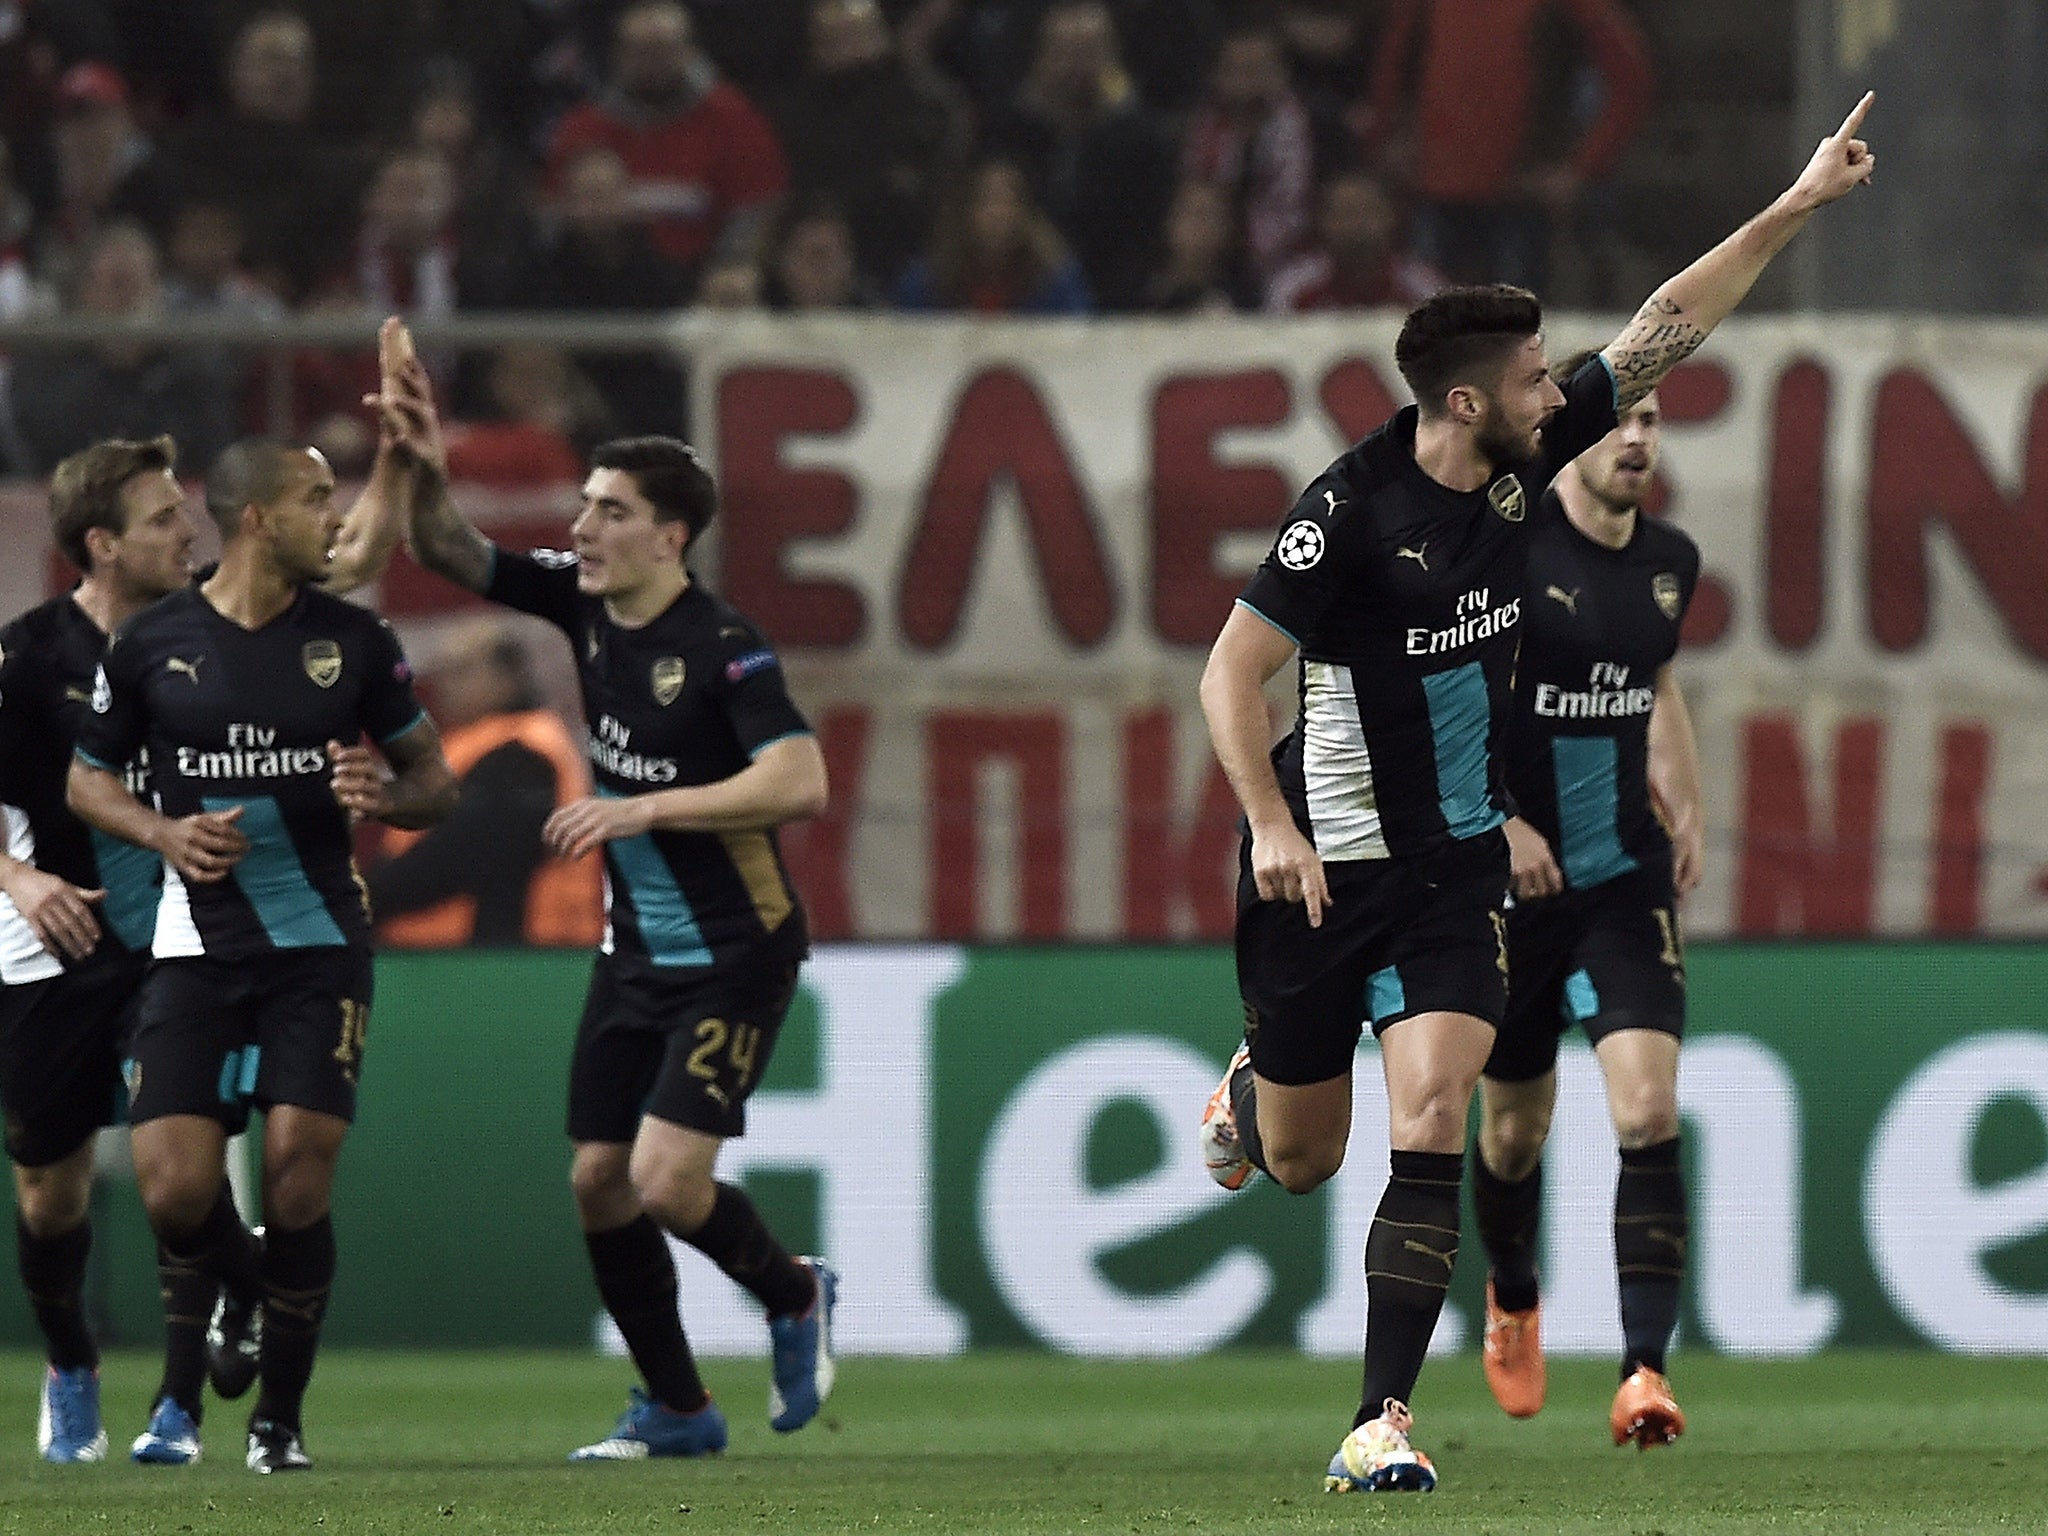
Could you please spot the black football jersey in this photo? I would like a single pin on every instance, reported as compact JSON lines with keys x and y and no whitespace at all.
{"x":238,"y":717}
{"x":1597,"y":626}
{"x":690,"y":697}
{"x":48,"y":660}
{"x":1404,"y":597}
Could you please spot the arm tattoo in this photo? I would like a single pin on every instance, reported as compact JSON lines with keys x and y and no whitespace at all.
{"x":1656,"y":341}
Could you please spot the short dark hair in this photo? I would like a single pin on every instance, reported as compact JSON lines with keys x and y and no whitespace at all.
{"x":669,"y":474}
{"x":248,"y":473}
{"x":1463,"y":336}
{"x":85,"y":489}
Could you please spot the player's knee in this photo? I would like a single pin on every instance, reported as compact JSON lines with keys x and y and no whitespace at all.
{"x":1512,"y":1142}
{"x":603,"y":1191}
{"x":298,"y":1186}
{"x":679,"y":1197}
{"x":51,"y":1201}
{"x":1645,"y":1120}
{"x":176,"y":1197}
{"x":1300,"y":1169}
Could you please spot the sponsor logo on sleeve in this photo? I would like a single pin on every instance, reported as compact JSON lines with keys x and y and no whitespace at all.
{"x":748,"y":664}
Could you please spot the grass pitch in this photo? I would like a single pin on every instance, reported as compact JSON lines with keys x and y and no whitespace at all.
{"x":469,"y":1444}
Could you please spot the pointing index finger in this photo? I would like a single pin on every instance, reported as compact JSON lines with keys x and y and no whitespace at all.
{"x":1855,"y":118}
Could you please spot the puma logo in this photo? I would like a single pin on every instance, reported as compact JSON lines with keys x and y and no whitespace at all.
{"x":189,"y":668}
{"x":1569,"y":599}
{"x":1446,"y":1256}
{"x":1419,"y":554}
{"x":1333,"y":499}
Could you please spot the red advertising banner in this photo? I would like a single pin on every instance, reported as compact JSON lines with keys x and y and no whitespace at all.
{"x":993,"y":556}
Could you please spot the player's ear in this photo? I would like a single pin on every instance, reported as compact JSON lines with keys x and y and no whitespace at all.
{"x":1466,"y":404}
{"x":99,"y":545}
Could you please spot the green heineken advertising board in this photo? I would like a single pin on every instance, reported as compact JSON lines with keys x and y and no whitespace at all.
{"x":996,"y":1148}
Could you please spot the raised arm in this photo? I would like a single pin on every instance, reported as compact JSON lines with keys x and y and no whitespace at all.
{"x":1674,"y":774}
{"x":1246,"y":655}
{"x":1679,"y":316}
{"x":411,"y":464}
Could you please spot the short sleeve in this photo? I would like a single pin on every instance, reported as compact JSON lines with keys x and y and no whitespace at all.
{"x":754,"y":690}
{"x":1588,"y":415}
{"x":116,"y":726}
{"x":1311,"y":559}
{"x":389,"y":706}
{"x":542,"y":583}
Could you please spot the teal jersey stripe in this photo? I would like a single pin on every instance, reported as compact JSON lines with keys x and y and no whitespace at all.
{"x":1588,"y":810}
{"x":668,"y":925}
{"x":1459,"y":719}
{"x":274,"y":881}
{"x":134,"y":881}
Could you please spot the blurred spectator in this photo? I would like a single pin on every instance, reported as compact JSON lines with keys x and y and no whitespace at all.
{"x":120,"y":388}
{"x":493,"y":224}
{"x":1252,"y":137}
{"x":405,"y":257}
{"x":995,"y":252}
{"x":1329,"y":53}
{"x":810,"y":264}
{"x":260,"y":155}
{"x":705,"y":166}
{"x":1099,"y":163}
{"x":482,"y":877}
{"x":104,"y":169}
{"x":596,"y":254}
{"x":863,"y":127}
{"x":1357,"y":261}
{"x":20,"y":293}
{"x":988,"y":45}
{"x":203,"y":272}
{"x":545,"y":419}
{"x":1489,"y":187}
{"x":1202,"y":268}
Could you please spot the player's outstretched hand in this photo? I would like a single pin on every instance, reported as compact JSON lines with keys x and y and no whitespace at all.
{"x":204,"y":846}
{"x":58,"y":913}
{"x":359,"y":780}
{"x":578,"y":827}
{"x":1841,"y":163}
{"x":407,"y":420}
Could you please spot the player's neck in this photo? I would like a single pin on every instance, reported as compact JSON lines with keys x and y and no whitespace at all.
{"x":1601,"y":521}
{"x":646,"y":603}
{"x":1450,"y":454}
{"x":247,"y":589}
{"x":107,"y":603}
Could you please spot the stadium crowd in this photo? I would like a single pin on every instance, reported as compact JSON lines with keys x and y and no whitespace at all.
{"x":983,"y":156}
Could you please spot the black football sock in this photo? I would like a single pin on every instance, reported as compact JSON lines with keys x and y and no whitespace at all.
{"x":1651,"y":1230}
{"x":737,"y":1240}
{"x":1244,"y":1105}
{"x":188,"y":1291}
{"x":53,"y":1274}
{"x":636,"y":1279}
{"x":1508,"y":1213}
{"x":232,"y":1253}
{"x":298,"y":1276}
{"x":1410,"y":1254}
